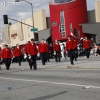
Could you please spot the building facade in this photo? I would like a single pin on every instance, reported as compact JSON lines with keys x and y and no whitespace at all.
{"x":65,"y":16}
{"x":97,"y":11}
{"x":92,"y":28}
{"x":19,"y":33}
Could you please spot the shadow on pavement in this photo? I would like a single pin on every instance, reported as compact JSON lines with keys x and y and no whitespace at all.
{"x":48,"y":96}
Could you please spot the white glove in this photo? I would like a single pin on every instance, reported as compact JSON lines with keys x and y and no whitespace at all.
{"x":54,"y":53}
{"x":25,"y":56}
{"x":38,"y":54}
{"x":29,"y":56}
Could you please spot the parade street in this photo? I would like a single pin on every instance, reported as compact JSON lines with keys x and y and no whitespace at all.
{"x":54,"y":81}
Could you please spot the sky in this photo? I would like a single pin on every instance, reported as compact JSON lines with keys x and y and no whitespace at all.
{"x":23,"y":10}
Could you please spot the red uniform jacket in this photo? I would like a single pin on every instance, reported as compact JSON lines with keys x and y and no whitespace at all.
{"x":75,"y":42}
{"x":47,"y":48}
{"x":86,"y":44}
{"x":12,"y":52}
{"x":26,"y":49}
{"x":17,"y":52}
{"x":0,"y":53}
{"x":42,"y":47}
{"x":6,"y":53}
{"x":56,"y":47}
{"x":69,"y":45}
{"x":32,"y":49}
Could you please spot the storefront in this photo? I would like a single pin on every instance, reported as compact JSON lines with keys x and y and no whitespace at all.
{"x":65,"y":17}
{"x":19,"y":33}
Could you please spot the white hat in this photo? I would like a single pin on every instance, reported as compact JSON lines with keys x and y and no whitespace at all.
{"x":81,"y":38}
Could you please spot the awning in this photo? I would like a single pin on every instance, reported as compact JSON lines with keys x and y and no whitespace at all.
{"x":44,"y":34}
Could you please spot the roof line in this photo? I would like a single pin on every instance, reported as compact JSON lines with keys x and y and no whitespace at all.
{"x":53,"y":3}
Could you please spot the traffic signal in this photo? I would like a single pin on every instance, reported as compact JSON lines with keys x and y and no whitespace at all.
{"x":75,"y":31}
{"x":36,"y":36}
{"x":5,"y":18}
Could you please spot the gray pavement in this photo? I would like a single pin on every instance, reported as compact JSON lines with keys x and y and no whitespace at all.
{"x":83,"y":63}
{"x":54,"y":81}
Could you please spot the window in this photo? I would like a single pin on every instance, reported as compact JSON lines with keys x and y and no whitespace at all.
{"x":62,"y":17}
{"x":61,"y":1}
{"x":62,"y":25}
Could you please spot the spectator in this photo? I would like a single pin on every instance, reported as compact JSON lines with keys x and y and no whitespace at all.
{"x":62,"y":50}
{"x":94,"y":49}
{"x":99,"y":43}
{"x":98,"y":51}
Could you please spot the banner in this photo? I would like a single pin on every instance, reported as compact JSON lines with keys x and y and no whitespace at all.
{"x":7,"y":34}
{"x":20,"y":31}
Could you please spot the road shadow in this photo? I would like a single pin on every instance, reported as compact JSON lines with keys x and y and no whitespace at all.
{"x":49,"y":96}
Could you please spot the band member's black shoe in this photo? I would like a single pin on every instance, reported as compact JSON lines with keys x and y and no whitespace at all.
{"x":72,"y":64}
{"x":75,"y":59}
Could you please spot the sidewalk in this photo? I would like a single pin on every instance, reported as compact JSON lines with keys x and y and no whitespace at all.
{"x":82,"y":63}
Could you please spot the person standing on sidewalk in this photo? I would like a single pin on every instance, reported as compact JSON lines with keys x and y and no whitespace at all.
{"x":42,"y":51}
{"x":18,"y":54}
{"x":6,"y":56}
{"x":32,"y":54}
{"x":69,"y":45}
{"x":57,"y":51}
{"x":86,"y":46}
{"x":62,"y":50}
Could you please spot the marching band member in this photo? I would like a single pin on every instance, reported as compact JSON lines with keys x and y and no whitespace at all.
{"x":18,"y":54}
{"x":74,"y":47}
{"x":69,"y":45}
{"x":6,"y":56}
{"x":32,"y":54}
{"x":86,"y":46}
{"x":26,"y":50}
{"x":42,"y":50}
{"x":57,"y":51}
{"x":47,"y":52}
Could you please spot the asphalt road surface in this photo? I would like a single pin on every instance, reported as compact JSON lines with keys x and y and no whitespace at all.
{"x":49,"y":84}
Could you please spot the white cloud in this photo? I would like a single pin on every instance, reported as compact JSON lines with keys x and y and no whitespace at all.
{"x":23,"y":15}
{"x":36,"y":5}
{"x":91,"y":4}
{"x":23,"y":10}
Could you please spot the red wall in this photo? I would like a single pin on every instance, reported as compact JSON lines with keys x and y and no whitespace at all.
{"x":75,"y":13}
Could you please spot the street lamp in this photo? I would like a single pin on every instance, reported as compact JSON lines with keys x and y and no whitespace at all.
{"x":31,"y":8}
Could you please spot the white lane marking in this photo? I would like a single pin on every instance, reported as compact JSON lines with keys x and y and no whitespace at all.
{"x":49,"y":82}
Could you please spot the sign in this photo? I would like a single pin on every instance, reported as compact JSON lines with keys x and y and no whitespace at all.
{"x":54,"y":23}
{"x":71,"y":27}
{"x":14,"y":34}
{"x":34,"y":29}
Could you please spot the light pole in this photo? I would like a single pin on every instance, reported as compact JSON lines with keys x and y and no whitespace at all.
{"x":31,"y":8}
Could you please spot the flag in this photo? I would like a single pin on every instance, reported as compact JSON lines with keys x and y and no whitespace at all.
{"x":71,"y":33}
